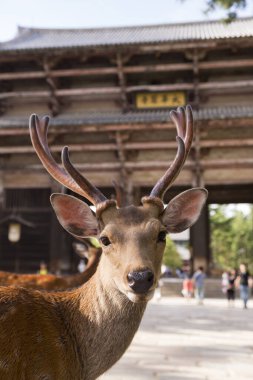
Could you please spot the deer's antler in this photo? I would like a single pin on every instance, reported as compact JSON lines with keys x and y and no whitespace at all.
{"x":183,"y":120}
{"x":70,"y":177}
{"x":75,"y":181}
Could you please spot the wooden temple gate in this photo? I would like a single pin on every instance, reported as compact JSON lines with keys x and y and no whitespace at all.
{"x":109,"y":92}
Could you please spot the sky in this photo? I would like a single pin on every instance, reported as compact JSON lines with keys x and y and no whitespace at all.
{"x":233,"y":207}
{"x":101,"y":13}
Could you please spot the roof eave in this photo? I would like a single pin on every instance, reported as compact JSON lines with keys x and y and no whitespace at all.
{"x":144,"y":46}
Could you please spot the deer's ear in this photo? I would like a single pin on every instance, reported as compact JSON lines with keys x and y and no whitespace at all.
{"x":74,"y":215}
{"x":183,"y":210}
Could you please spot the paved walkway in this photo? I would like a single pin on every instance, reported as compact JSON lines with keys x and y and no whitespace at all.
{"x":179,"y":340}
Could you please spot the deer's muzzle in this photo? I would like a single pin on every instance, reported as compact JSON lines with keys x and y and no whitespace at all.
{"x":140,"y":281}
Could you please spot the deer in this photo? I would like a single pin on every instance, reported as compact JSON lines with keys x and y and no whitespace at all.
{"x":52,"y":282}
{"x":80,"y":334}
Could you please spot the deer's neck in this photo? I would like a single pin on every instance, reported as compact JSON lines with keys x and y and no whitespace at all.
{"x":104,"y":324}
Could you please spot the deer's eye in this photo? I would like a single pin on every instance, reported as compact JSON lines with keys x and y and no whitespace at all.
{"x":161,"y":236}
{"x":105,"y":240}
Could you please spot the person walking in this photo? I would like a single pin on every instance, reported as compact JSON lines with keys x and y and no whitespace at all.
{"x":224,"y":282}
{"x":244,"y":284}
{"x":231,"y":287}
{"x":187,"y":290}
{"x":199,"y":282}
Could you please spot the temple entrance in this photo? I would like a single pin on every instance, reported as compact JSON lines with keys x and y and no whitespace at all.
{"x":25,"y":230}
{"x":230,"y":200}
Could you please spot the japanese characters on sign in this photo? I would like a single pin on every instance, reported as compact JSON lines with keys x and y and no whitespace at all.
{"x":160,"y":99}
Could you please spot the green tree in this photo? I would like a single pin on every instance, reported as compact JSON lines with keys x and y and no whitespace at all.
{"x":242,"y":244}
{"x":231,"y":237}
{"x":171,"y":256}
{"x":231,"y":6}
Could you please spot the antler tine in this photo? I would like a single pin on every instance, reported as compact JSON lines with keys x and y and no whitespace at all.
{"x":178,"y":117}
{"x":189,"y":130}
{"x":184,"y":124}
{"x":183,"y":120}
{"x":38,"y":132}
{"x":92,"y":193}
{"x":163,"y":183}
{"x":41,"y":129}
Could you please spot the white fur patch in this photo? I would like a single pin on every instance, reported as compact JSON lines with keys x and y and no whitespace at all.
{"x":136,"y":298}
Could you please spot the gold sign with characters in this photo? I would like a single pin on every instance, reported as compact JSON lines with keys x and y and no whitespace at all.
{"x":160,"y":99}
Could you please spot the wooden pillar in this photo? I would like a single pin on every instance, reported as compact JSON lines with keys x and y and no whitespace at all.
{"x":1,"y":191}
{"x":60,"y":242}
{"x":122,"y":82}
{"x":200,"y":239}
{"x":125,"y":182}
{"x":54,"y":103}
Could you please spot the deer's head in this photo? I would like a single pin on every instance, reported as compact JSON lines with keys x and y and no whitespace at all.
{"x":132,"y":238}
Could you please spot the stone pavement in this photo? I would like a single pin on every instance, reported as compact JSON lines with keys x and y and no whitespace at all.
{"x":179,"y":340}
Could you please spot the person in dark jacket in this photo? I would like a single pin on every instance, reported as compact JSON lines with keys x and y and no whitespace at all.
{"x":244,"y":277}
{"x":231,"y":286}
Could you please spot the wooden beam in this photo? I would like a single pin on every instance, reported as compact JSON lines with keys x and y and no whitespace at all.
{"x":226,"y":84}
{"x":58,"y":148}
{"x":227,"y":164}
{"x":91,"y":91}
{"x":166,"y":67}
{"x":181,"y":46}
{"x":159,"y":145}
{"x":161,"y":87}
{"x":62,"y":92}
{"x":24,"y":94}
{"x":148,"y":126}
{"x":226,"y":64}
{"x":100,"y":71}
{"x":95,"y":128}
{"x":227,"y":123}
{"x":22,"y":75}
{"x":158,"y":165}
{"x":226,"y":143}
{"x":97,"y":71}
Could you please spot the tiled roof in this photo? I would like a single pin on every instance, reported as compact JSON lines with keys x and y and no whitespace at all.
{"x":36,"y":38}
{"x":132,"y":117}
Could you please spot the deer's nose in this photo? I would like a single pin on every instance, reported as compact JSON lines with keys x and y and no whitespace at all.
{"x":140,"y":281}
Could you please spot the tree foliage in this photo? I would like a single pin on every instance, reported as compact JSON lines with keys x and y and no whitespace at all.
{"x":171,"y":256}
{"x":231,"y":237}
{"x":231,"y":6}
